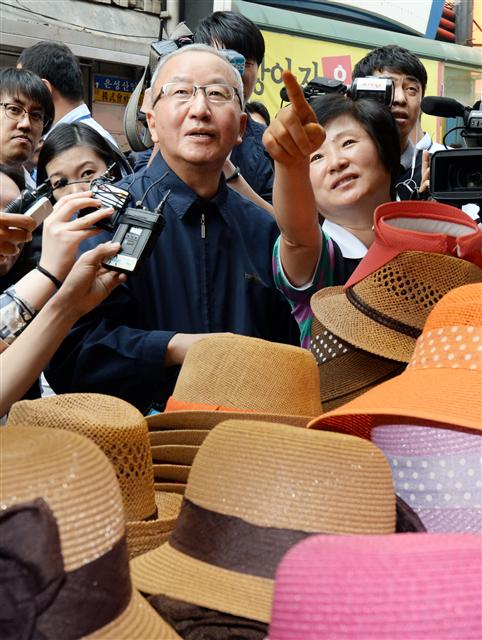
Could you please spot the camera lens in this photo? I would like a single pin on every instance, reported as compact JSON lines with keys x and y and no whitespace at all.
{"x":465,"y":177}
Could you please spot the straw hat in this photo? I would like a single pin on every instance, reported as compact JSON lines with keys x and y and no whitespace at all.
{"x":63,"y":542}
{"x":386,"y":587}
{"x":385,"y":312}
{"x":419,"y":226}
{"x":121,"y":432}
{"x":232,"y":376}
{"x":255,"y":490}
{"x":345,"y":371}
{"x":443,"y":381}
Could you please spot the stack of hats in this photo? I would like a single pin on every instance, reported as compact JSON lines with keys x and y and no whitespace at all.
{"x":364,"y":333}
{"x":121,"y":432}
{"x":63,"y":551}
{"x":224,"y":377}
{"x":428,"y":420}
{"x":255,"y":489}
{"x":383,"y":587}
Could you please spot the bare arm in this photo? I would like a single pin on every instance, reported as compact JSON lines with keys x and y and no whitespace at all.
{"x":290,"y":139}
{"x":84,"y":288}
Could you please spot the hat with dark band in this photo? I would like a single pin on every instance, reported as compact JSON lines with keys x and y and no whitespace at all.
{"x":63,"y":550}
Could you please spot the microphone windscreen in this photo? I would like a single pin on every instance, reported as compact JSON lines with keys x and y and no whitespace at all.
{"x":443,"y":107}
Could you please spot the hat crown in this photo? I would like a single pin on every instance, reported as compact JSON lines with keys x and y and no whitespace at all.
{"x":409,"y":286}
{"x":76,"y":480}
{"x":248,"y":373}
{"x":115,"y":426}
{"x":275,"y":475}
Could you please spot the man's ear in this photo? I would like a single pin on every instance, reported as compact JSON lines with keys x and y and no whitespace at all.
{"x":151,"y":123}
{"x":48,"y":84}
{"x":242,"y":127}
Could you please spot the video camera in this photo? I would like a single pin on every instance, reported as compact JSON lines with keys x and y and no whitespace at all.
{"x":456,"y":174}
{"x":138,"y":137}
{"x":371,"y":87}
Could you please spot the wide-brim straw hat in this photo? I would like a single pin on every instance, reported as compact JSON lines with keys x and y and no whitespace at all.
{"x":345,"y":371}
{"x":254,"y":490}
{"x":65,"y":486}
{"x":385,"y":312}
{"x":419,"y":226}
{"x":443,"y":380}
{"x":237,"y":377}
{"x":385,"y":587}
{"x":120,"y":430}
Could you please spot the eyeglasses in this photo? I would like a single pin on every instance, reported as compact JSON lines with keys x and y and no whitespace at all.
{"x":183,"y":92}
{"x":16,"y":112}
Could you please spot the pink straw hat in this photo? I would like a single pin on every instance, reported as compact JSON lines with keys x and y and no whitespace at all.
{"x":419,"y":226}
{"x":392,"y":587}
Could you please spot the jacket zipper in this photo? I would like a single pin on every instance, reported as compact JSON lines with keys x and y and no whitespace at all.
{"x":203,"y":226}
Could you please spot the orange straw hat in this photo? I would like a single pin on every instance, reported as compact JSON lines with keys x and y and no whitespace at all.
{"x":385,"y":312}
{"x":62,"y":543}
{"x":121,"y":432}
{"x":254,"y":490}
{"x":443,"y":380}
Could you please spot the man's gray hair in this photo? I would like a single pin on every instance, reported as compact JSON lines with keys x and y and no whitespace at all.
{"x":238,"y":83}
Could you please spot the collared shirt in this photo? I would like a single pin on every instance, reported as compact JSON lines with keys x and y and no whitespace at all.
{"x":210,"y":271}
{"x":81,"y":114}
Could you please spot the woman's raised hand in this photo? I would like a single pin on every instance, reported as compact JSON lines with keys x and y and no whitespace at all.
{"x":295,"y":132}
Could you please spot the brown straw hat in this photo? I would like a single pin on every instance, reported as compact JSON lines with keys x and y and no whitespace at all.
{"x":345,"y":371}
{"x":443,"y":381}
{"x":232,"y":376}
{"x":62,"y":542}
{"x":255,"y":490}
{"x":121,"y":432}
{"x":385,"y":312}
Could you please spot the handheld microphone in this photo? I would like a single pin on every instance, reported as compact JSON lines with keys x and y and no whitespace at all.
{"x":443,"y":107}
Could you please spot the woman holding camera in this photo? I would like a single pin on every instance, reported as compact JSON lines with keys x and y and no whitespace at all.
{"x":336,"y":160}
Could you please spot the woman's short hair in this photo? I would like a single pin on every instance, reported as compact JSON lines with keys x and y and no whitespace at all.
{"x":67,"y":136}
{"x":375,"y":118}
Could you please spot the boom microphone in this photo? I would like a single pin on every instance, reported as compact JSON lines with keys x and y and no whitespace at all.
{"x":443,"y":107}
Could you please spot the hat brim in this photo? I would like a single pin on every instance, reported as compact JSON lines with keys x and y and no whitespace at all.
{"x":333,"y":309}
{"x":187,"y":420}
{"x":174,"y":454}
{"x":448,"y":396}
{"x":168,"y":571}
{"x":144,"y":535}
{"x":171,"y":487}
{"x":138,"y":621}
{"x":376,"y":257}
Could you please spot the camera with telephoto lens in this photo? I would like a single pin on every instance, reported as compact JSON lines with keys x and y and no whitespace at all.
{"x":371,"y":87}
{"x":456,"y":174}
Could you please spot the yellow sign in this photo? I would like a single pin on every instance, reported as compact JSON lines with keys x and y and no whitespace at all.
{"x":113,"y":97}
{"x":308,"y":58}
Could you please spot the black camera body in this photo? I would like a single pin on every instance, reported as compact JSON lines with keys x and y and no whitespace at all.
{"x":371,"y":87}
{"x":456,"y":174}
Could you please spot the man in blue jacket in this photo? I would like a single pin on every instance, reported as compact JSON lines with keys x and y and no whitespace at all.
{"x":211,"y":268}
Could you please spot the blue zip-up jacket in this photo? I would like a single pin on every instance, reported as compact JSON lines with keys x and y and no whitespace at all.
{"x":211,"y":270}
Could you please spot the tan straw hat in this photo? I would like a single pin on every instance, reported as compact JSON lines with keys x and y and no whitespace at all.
{"x":255,"y":490}
{"x":121,"y":432}
{"x":385,"y":312}
{"x":442,"y":383}
{"x":345,"y":371}
{"x":62,"y":542}
{"x":231,"y":376}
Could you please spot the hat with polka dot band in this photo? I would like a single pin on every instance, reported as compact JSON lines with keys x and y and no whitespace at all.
{"x":388,"y":587}
{"x":345,"y":371}
{"x":443,"y":380}
{"x":437,"y":471}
